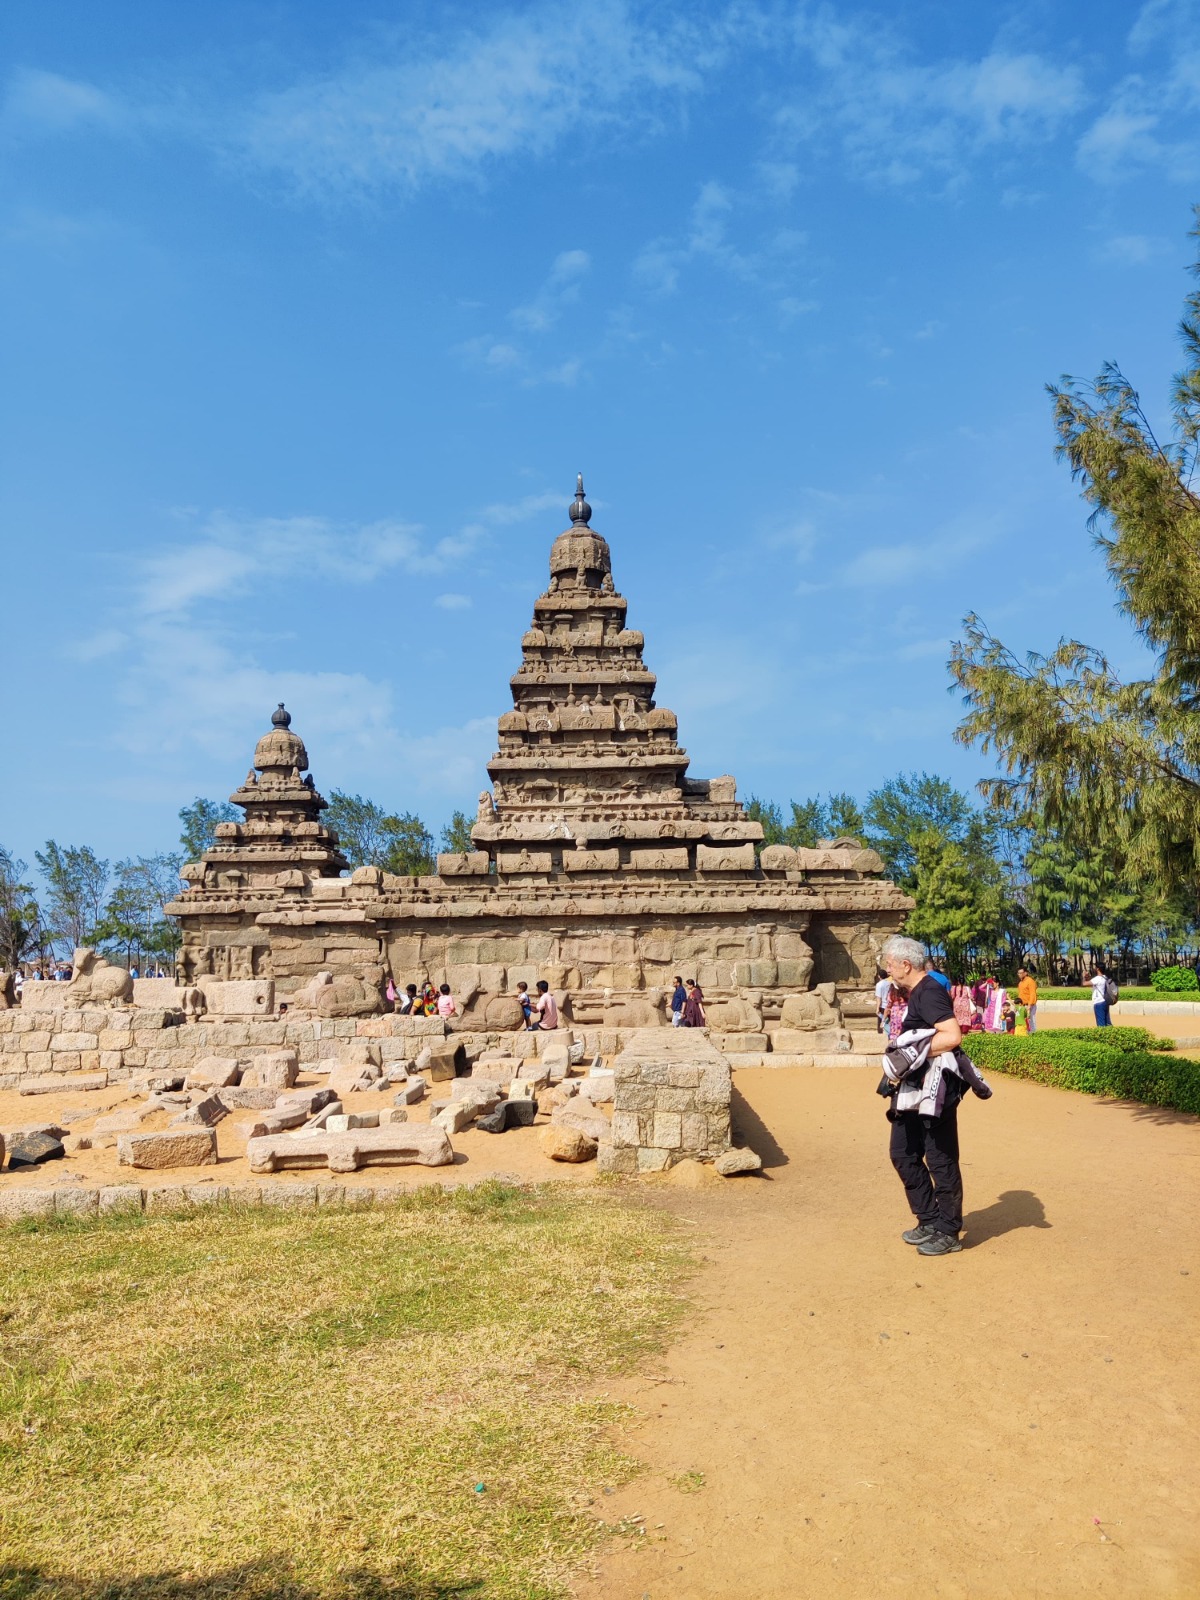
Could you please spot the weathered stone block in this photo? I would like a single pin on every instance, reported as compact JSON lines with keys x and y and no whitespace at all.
{"x":402,"y":1145}
{"x":251,"y":997}
{"x":725,"y":858}
{"x":190,"y":1147}
{"x":120,"y":1197}
{"x":470,"y":864}
{"x":659,"y":860}
{"x":76,"y":1202}
{"x":667,"y":1132}
{"x":622,"y":1163}
{"x":57,"y":1085}
{"x":567,"y":1144}
{"x":275,"y":1069}
{"x":731,"y":1162}
{"x":653,"y":1160}
{"x":213,"y":1072}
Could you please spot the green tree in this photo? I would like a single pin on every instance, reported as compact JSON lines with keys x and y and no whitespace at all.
{"x":410,"y":846}
{"x":768,"y":813}
{"x":1117,"y":762}
{"x":844,"y":817}
{"x":76,"y":880}
{"x":133,"y":922}
{"x":200,"y":825}
{"x":456,"y":835}
{"x":811,"y":820}
{"x":20,"y":917}
{"x":372,"y":837}
{"x":917,"y":806}
{"x":958,"y":908}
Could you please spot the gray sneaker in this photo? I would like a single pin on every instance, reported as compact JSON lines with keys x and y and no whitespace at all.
{"x":919,"y":1234}
{"x":941,"y":1244}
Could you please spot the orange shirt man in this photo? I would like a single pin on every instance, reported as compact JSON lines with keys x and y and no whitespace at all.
{"x":1027,"y":994}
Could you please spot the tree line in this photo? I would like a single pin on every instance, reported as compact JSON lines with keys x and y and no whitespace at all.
{"x":118,"y":907}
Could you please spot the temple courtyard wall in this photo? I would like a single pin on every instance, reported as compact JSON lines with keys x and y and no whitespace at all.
{"x":80,"y":1047}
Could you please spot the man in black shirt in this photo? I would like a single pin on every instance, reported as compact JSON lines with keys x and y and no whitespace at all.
{"x":924,"y":1149}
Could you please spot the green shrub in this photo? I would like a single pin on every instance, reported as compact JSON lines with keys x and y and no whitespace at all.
{"x":1126,"y":994}
{"x":1174,"y":980}
{"x":1116,"y":1038}
{"x":1078,"y":1059}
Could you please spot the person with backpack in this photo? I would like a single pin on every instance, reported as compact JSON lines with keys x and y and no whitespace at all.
{"x":1105,"y":995}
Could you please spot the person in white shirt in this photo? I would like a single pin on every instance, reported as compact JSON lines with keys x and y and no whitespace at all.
{"x":1099,"y":981}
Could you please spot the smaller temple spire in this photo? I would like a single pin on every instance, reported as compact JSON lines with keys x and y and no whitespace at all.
{"x":580,"y":510}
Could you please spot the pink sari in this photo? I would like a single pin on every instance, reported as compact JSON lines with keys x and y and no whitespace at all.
{"x":993,"y":1018}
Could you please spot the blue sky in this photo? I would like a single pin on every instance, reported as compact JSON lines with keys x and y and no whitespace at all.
{"x":312,"y":314}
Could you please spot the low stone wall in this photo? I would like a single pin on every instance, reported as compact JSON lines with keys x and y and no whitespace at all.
{"x":671,"y":1101}
{"x":76,"y":1200}
{"x":127,"y":1043}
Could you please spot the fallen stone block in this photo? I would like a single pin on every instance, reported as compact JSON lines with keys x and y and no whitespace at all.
{"x":274,"y":1069}
{"x":278,"y":1120}
{"x":730,"y":1162}
{"x":212,"y":1072}
{"x":441,"y":1059}
{"x":522,"y":1089}
{"x":486,"y":1095}
{"x":410,"y":1092}
{"x":345,"y":1081}
{"x":243,"y":1099}
{"x":319,"y":1119}
{"x":175,"y":1147}
{"x":519,"y":1113}
{"x":599,"y":1087}
{"x":493,"y":1121}
{"x":344,"y":1121}
{"x":392,"y":1114}
{"x":164,"y":1082}
{"x":360,"y":1053}
{"x":535,"y":1072}
{"x":456,"y":1116}
{"x":31,"y":1149}
{"x":584,"y":1118}
{"x":205,"y":1113}
{"x":567,"y":1144}
{"x":310,"y":1101}
{"x":400,"y":1145}
{"x":63,"y":1083}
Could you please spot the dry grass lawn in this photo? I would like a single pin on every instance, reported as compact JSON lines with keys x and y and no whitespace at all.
{"x":397,"y":1402}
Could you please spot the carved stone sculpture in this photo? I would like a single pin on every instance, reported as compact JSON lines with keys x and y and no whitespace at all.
{"x":96,"y":982}
{"x":341,"y":995}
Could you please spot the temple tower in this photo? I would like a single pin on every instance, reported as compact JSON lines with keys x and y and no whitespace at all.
{"x":588,"y":766}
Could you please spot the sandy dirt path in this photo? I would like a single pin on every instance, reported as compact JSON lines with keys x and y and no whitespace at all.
{"x":1017,"y":1422}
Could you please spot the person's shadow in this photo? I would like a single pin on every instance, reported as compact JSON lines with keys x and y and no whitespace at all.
{"x":1016,"y":1208}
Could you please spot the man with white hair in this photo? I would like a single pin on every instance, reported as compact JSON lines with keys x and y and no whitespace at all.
{"x":924,"y":1149}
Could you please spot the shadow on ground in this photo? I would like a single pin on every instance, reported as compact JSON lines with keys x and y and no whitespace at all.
{"x":753,"y":1131}
{"x":1162,"y":1116}
{"x":1016,"y":1208}
{"x":258,"y":1580}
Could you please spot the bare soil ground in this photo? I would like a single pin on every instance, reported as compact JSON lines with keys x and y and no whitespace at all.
{"x":847,"y":1420}
{"x":516,"y":1153}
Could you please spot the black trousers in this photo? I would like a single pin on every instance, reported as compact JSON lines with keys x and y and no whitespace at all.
{"x":924,"y":1152}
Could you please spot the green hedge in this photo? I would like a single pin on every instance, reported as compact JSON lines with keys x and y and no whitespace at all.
{"x":1126,"y":994}
{"x":1078,"y":1059}
{"x":1174,"y":980}
{"x":1114,"y":1038}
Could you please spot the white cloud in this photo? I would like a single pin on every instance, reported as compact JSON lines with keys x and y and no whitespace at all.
{"x":514,"y":85}
{"x":229,"y":551}
{"x":560,"y":289}
{"x":898,"y":120}
{"x":1129,"y":249}
{"x":453,"y":602}
{"x":770,"y":266}
{"x":47,"y":103}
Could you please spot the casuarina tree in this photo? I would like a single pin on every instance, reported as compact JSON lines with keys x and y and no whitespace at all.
{"x":1112,"y":763}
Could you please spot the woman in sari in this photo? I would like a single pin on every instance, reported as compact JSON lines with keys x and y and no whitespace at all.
{"x":895,"y":1009}
{"x":994,"y":1011}
{"x":965,"y":1013}
{"x":693,"y":1006}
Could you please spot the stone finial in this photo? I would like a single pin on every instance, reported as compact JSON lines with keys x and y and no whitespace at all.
{"x":580,"y":510}
{"x":280,"y":717}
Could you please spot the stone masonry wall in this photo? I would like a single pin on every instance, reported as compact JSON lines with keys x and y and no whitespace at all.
{"x":671,"y":1101}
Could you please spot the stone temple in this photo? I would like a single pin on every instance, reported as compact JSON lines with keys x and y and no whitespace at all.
{"x":599,"y":864}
